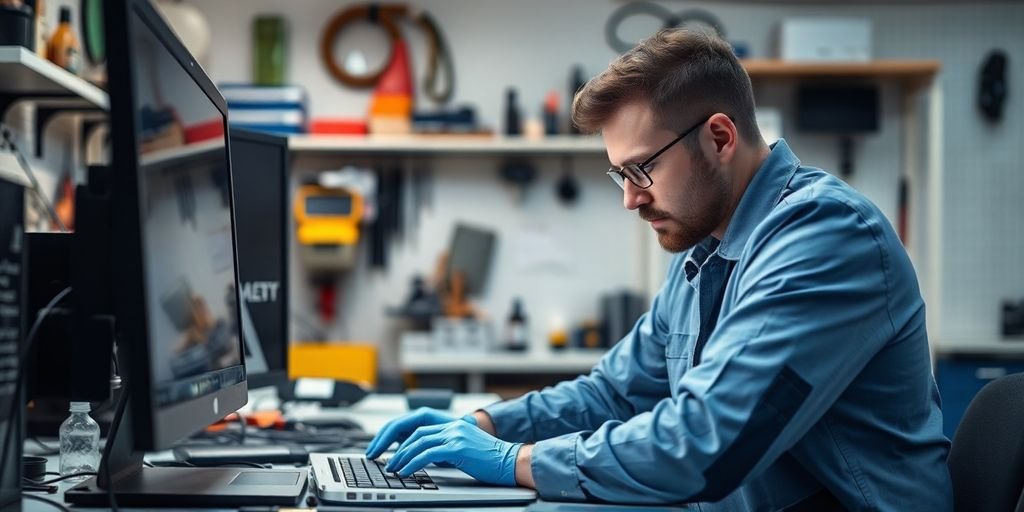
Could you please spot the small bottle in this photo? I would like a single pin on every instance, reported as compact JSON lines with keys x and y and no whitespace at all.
{"x":64,"y":49}
{"x":516,"y":328}
{"x":513,"y":122}
{"x":79,"y":441}
{"x":551,"y":113}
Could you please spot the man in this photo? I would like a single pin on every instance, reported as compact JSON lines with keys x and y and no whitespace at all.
{"x":783,"y":366}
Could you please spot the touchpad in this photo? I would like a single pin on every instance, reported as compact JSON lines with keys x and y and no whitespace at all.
{"x":267,"y":478}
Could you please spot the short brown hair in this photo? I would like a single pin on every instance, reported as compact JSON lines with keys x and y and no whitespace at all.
{"x":682,"y":73}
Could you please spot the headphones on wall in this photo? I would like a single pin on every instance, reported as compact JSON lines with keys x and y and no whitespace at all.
{"x":992,"y":86}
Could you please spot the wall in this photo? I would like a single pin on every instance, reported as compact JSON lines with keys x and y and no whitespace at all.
{"x":532,"y":45}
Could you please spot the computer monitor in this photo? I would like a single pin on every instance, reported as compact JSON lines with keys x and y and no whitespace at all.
{"x":259,"y":165}
{"x":176,"y":293}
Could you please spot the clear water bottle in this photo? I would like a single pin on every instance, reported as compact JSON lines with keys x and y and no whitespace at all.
{"x":79,"y":441}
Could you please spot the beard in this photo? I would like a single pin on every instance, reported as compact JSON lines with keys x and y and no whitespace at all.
{"x":706,"y":210}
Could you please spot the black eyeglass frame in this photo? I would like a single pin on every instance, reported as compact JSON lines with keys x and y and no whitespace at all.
{"x":620,"y":174}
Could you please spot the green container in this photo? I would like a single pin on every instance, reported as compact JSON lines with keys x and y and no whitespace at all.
{"x":269,"y":53}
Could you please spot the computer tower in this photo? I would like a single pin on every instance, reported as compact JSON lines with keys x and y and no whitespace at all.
{"x":12,"y":292}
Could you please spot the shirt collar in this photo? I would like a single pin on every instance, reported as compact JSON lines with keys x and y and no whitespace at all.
{"x":763,"y":192}
{"x":700,"y":254}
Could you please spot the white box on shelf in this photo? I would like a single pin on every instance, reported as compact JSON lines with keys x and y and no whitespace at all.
{"x":462,"y":335}
{"x":825,"y":39}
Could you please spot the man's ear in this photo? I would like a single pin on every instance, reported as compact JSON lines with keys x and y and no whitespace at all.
{"x":720,"y":138}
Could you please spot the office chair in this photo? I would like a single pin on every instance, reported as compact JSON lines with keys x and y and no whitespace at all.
{"x":986,"y":460}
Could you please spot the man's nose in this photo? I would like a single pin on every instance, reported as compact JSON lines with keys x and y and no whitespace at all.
{"x":633,"y":196}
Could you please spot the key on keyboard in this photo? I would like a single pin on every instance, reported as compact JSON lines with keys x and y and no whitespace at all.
{"x":370,"y":474}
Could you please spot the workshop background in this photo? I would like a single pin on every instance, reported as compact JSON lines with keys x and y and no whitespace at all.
{"x":561,"y":244}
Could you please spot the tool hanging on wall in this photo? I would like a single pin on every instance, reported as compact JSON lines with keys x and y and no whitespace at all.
{"x":327,"y":227}
{"x":437,"y":88}
{"x":667,"y":18}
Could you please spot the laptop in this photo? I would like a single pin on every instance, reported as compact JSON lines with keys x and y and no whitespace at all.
{"x":348,"y":478}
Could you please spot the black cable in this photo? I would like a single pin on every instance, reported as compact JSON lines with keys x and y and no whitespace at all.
{"x":667,"y":18}
{"x":441,"y":56}
{"x":23,"y":162}
{"x":65,"y":477}
{"x":115,"y":424}
{"x":54,"y":504}
{"x":22,"y":361}
{"x":242,"y":427}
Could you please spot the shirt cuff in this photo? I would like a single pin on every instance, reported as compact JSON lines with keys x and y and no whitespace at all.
{"x":553,"y":463}
{"x":511,"y":422}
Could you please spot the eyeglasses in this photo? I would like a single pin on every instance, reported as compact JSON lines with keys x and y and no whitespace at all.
{"x":637,"y":173}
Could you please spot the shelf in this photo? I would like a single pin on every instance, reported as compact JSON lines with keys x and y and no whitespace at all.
{"x":1009,"y":346}
{"x":893,"y":69}
{"x":458,"y":144}
{"x":569,"y":361}
{"x":24,"y":74}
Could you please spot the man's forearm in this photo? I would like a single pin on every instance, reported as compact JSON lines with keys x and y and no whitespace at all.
{"x":524,"y":470}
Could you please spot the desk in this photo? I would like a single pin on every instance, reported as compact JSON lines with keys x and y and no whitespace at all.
{"x":372,"y":412}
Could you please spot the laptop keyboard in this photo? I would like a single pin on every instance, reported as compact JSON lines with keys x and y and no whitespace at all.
{"x":369,"y":474}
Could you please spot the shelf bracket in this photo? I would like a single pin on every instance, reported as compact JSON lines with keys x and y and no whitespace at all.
{"x":8,"y":100}
{"x":45,"y":115}
{"x":89,"y":127}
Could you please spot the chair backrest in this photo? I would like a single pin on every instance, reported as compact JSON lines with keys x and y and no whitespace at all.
{"x":986,"y":460}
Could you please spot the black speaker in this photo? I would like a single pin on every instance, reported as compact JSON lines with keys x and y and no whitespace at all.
{"x":992,"y":86}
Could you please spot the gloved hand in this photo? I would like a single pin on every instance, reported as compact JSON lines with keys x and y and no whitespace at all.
{"x":400,"y":428}
{"x":462,"y":445}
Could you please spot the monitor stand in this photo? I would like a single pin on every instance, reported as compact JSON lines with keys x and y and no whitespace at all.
{"x":135,"y":485}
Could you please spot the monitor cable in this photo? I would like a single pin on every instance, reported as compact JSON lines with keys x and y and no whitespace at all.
{"x":8,"y":140}
{"x":21,"y":378}
{"x":122,"y":402}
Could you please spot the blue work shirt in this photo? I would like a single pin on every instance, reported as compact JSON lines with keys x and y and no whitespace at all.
{"x":808,"y":375}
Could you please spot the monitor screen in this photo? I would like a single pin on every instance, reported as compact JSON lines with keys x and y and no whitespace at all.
{"x":186,"y":226}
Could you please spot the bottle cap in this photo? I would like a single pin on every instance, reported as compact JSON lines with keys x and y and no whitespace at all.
{"x":65,"y":14}
{"x":80,"y":407}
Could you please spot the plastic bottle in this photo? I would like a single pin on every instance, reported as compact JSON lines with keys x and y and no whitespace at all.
{"x":79,"y":441}
{"x":516,"y":328}
{"x":64,"y":49}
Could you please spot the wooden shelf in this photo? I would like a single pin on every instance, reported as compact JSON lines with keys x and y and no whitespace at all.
{"x":457,"y":144}
{"x":24,"y":75}
{"x":906,"y":70}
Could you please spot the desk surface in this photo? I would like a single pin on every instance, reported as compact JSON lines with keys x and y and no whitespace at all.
{"x":372,"y":412}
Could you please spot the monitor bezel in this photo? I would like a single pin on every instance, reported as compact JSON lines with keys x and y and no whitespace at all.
{"x":154,"y":427}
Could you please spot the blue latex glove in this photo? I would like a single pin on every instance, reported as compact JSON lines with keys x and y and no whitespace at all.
{"x":462,"y":445}
{"x":398,"y":430}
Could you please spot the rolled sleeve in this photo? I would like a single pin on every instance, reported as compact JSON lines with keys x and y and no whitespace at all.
{"x":510,"y":420}
{"x":554,"y":469}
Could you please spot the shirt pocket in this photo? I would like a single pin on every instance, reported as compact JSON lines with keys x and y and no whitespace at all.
{"x":677,"y":356}
{"x":678,"y":346}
